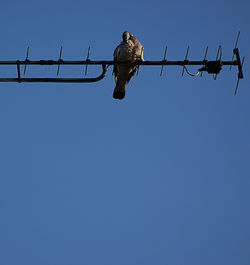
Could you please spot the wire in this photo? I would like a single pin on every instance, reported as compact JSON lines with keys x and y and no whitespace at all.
{"x":194,"y":75}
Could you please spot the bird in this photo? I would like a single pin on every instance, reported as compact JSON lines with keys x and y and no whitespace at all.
{"x":129,"y":50}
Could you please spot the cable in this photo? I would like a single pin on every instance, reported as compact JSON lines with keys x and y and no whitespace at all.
{"x":194,"y":75}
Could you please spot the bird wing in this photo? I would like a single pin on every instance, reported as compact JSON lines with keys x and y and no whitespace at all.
{"x":137,"y":50}
{"x":137,"y":55}
{"x":116,"y":58}
{"x":123,"y":52}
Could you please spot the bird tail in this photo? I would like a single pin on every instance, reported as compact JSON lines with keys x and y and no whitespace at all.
{"x":120,"y":90}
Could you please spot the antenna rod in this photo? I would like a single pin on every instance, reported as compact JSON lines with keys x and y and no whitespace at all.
{"x":86,"y":62}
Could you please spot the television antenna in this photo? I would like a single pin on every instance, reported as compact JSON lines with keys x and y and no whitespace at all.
{"x":210,"y":66}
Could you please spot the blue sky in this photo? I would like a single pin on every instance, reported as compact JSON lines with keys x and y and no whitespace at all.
{"x":162,"y":177}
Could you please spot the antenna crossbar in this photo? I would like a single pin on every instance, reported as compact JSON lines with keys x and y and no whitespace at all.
{"x":103,"y":62}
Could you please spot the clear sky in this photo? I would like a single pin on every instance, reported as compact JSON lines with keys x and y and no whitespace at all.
{"x":162,"y":177}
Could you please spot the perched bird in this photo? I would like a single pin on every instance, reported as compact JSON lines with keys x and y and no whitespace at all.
{"x":129,"y":50}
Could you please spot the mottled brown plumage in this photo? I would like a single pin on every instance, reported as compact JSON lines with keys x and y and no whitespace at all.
{"x":130,"y":49}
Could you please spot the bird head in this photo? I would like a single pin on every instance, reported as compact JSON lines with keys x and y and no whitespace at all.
{"x":126,"y":36}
